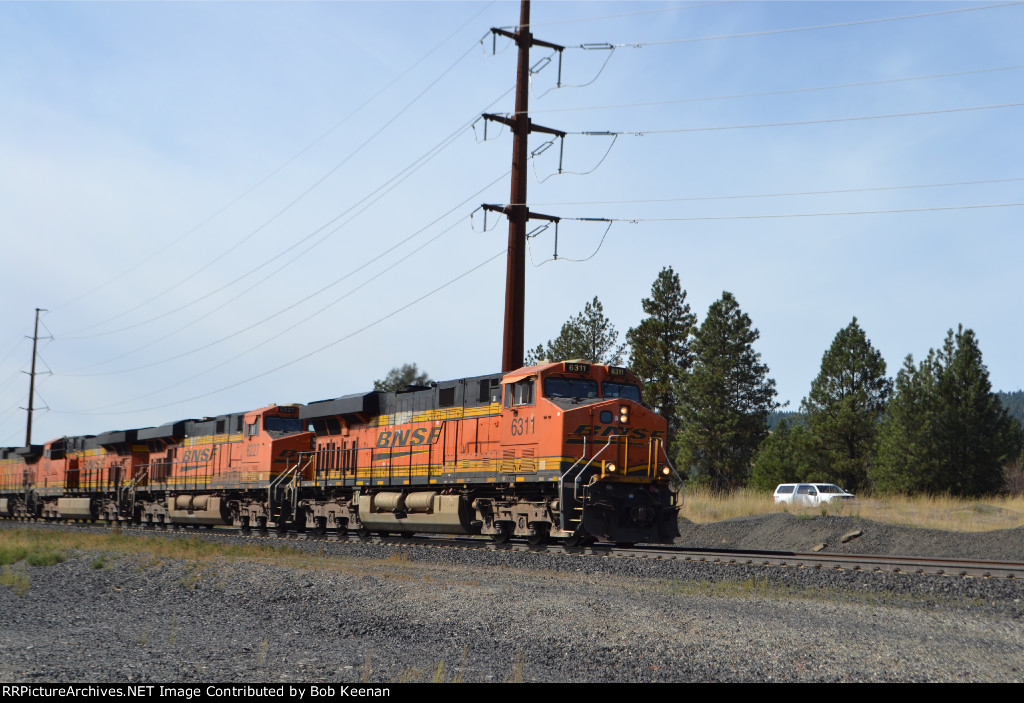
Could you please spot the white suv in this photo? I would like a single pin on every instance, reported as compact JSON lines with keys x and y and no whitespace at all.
{"x":810,"y":494}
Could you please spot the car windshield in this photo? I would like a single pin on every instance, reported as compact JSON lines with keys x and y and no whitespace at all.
{"x":828,"y":488}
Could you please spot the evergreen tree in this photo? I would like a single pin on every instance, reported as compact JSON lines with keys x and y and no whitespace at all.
{"x":844,"y":406}
{"x":945,"y":430}
{"x":589,"y":335}
{"x":398,"y":379}
{"x":726,"y":399}
{"x":660,"y":346}
{"x":788,"y":455}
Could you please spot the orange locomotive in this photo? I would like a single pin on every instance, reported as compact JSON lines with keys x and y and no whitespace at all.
{"x":561,"y":450}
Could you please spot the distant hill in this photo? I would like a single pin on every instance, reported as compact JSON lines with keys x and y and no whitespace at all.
{"x":791,"y":416}
{"x":1014,"y":402}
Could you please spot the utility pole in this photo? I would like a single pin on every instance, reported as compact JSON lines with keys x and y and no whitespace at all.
{"x":517,"y":211}
{"x":32,"y":381}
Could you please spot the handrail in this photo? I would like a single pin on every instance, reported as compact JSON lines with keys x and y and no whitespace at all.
{"x":131,"y":487}
{"x":285,"y":475}
{"x":579,"y":475}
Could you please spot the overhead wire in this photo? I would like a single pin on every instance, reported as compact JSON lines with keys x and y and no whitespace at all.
{"x":76,"y":334}
{"x":839,"y":191}
{"x":790,"y":30}
{"x":634,"y":220}
{"x":306,"y":355}
{"x":282,"y":166}
{"x":620,"y":15}
{"x":796,"y":123}
{"x":381,"y":190}
{"x":323,"y":289}
{"x":365,"y":203}
{"x":252,"y":348}
{"x":785,"y":91}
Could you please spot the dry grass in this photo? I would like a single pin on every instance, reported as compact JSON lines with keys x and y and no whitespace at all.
{"x":935,"y":512}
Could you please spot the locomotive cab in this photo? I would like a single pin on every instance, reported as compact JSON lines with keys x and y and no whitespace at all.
{"x":588,"y":421}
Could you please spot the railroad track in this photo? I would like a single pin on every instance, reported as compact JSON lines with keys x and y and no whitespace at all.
{"x":975,"y":568}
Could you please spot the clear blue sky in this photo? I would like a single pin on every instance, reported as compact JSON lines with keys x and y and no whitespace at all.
{"x":174,"y":174}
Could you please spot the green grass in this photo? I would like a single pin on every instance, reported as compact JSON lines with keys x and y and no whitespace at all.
{"x":16,"y":576}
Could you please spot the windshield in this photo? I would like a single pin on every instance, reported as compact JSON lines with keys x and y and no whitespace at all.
{"x":828,"y":488}
{"x":283,"y":424}
{"x":570,"y":388}
{"x":629,"y":391}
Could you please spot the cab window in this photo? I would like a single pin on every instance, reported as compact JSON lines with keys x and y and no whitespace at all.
{"x":283,"y":424}
{"x":629,"y":391}
{"x":522,"y":392}
{"x":570,"y":388}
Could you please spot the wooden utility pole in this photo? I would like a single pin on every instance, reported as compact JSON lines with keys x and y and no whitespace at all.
{"x":32,"y":381}
{"x":517,"y":211}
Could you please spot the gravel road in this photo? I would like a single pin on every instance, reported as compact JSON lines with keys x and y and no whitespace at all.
{"x":366,"y":612}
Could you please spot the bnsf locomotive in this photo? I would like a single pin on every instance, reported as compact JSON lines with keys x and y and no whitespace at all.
{"x":560,"y":450}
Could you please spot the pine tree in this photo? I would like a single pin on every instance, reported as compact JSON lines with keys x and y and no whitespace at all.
{"x":589,"y":335}
{"x":660,"y":346}
{"x":844,"y":407}
{"x":398,"y":379}
{"x":945,"y":430}
{"x":726,"y":399}
{"x":788,"y":454}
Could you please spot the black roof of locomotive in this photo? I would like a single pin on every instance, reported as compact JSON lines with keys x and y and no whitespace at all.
{"x":463,"y":392}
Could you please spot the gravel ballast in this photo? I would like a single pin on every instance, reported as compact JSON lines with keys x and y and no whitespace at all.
{"x":370,"y":612}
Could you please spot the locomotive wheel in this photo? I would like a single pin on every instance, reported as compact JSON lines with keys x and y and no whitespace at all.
{"x":580,"y":539}
{"x":261,"y":525}
{"x":320,"y":526}
{"x":503,"y":534}
{"x":541,"y":537}
{"x":363,"y":533}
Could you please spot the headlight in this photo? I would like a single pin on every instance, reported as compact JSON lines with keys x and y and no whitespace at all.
{"x":623,"y":414}
{"x":610,"y":468}
{"x":665,"y":471}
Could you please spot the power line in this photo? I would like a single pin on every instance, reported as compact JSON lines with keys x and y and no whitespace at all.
{"x":366,"y":201}
{"x":841,"y":191}
{"x":231,"y":249}
{"x":789,"y":30}
{"x":619,"y":15}
{"x":304,"y":356}
{"x":795,"y":123}
{"x":786,"y":91}
{"x":323,"y":289}
{"x":281,"y":167}
{"x":789,"y":215}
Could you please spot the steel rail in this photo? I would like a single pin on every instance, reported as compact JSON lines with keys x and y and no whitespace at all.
{"x":875,"y":563}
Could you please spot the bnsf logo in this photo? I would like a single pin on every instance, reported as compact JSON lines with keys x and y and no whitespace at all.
{"x":635,"y":433}
{"x":406,"y":438}
{"x":192,"y":455}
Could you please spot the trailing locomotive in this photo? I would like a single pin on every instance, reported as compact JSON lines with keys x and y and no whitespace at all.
{"x":561,"y":451}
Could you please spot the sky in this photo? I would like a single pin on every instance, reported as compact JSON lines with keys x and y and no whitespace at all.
{"x":226,"y":205}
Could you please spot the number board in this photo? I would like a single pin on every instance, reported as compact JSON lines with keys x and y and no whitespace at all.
{"x":577,"y":368}
{"x":616,"y":371}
